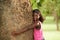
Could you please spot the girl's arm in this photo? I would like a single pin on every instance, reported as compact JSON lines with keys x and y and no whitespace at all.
{"x":24,"y":29}
{"x":38,"y":26}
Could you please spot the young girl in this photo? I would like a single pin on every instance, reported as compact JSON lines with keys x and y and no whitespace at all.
{"x":38,"y":34}
{"x":37,"y":24}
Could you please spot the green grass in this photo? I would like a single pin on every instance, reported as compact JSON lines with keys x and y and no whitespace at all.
{"x":50,"y":30}
{"x":49,"y":27}
{"x":49,"y":20}
{"x":49,"y":24}
{"x":51,"y":35}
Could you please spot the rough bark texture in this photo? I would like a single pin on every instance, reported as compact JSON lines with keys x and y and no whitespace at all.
{"x":14,"y":15}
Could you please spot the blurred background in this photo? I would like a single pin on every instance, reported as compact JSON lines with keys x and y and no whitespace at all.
{"x":50,"y":10}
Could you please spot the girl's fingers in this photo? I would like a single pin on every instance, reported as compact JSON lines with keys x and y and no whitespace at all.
{"x":13,"y":33}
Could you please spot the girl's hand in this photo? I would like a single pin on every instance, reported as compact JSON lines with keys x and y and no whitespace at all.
{"x":14,"y":33}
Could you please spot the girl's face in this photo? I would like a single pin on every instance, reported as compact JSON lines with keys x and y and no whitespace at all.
{"x":36,"y":16}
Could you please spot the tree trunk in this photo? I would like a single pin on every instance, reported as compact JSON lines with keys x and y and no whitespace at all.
{"x":15,"y":15}
{"x":57,"y":22}
{"x":56,"y":19}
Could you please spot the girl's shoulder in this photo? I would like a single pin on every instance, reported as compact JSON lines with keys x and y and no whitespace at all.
{"x":40,"y":22}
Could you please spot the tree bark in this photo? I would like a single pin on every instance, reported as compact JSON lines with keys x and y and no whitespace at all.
{"x":15,"y":15}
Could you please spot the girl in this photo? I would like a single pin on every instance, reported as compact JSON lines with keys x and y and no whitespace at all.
{"x":37,"y":24}
{"x":38,"y":34}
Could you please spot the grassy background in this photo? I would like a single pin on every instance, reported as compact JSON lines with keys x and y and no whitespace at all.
{"x":51,"y":35}
{"x":50,"y":30}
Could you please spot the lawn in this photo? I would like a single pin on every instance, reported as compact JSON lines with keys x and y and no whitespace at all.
{"x":50,"y":30}
{"x":49,"y":24}
{"x":51,"y":35}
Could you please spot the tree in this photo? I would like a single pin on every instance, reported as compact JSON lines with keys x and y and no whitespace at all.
{"x":15,"y":15}
{"x":56,"y":12}
{"x":34,"y":4}
{"x":52,"y":7}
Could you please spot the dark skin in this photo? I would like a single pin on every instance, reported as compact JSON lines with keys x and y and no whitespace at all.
{"x":33,"y":25}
